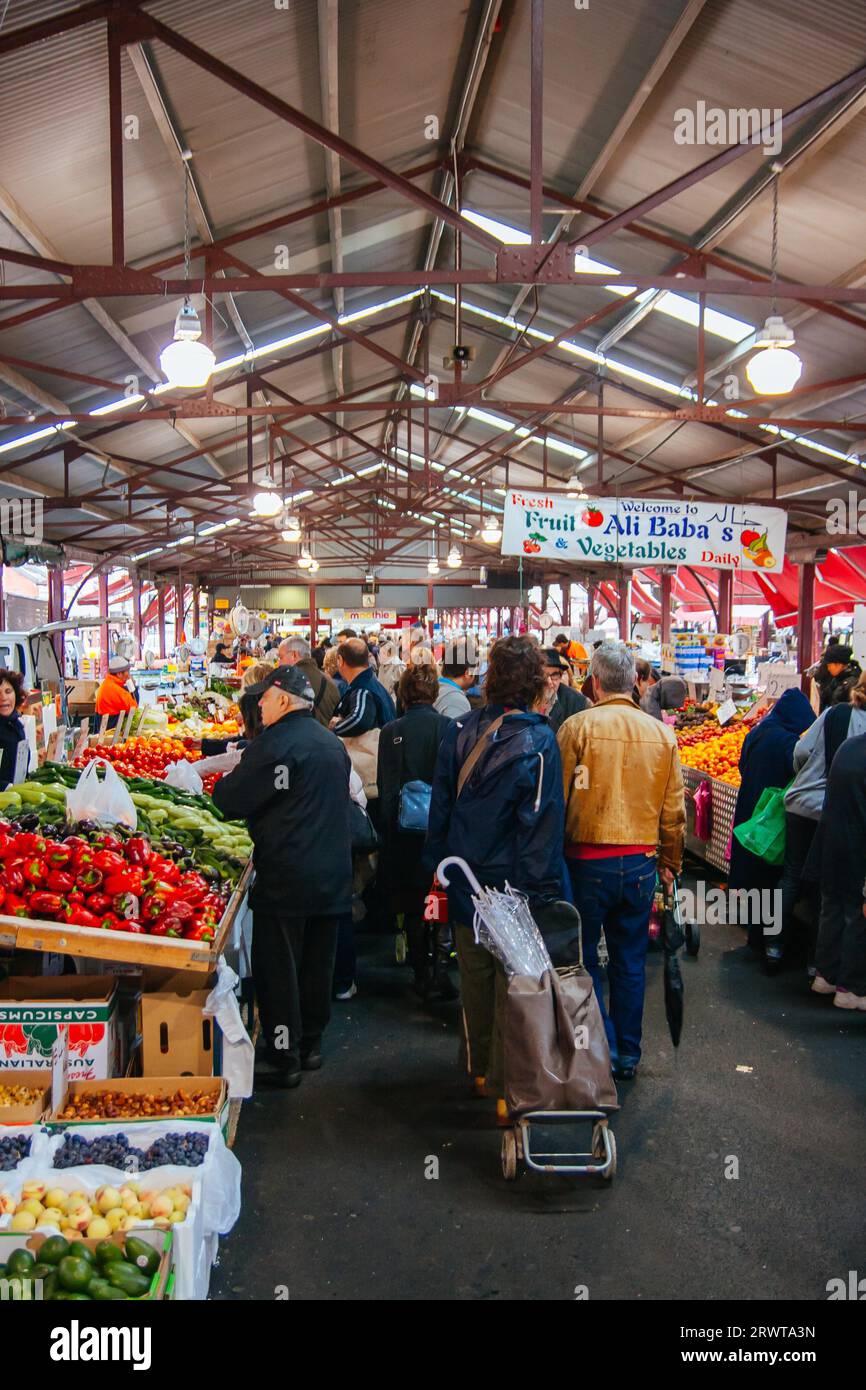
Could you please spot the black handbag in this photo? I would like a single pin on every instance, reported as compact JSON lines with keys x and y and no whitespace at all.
{"x":364,"y":837}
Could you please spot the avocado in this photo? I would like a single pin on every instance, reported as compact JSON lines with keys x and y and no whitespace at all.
{"x":49,"y":1285}
{"x":142,"y":1255}
{"x":100,"y":1290}
{"x":82,"y":1251}
{"x":106,"y":1251}
{"x":126,"y":1277}
{"x":41,"y":1270}
{"x":20,"y":1262}
{"x":74,"y":1274}
{"x":52,"y":1250}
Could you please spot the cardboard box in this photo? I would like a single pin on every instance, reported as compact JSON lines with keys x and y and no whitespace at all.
{"x":31,"y":1010}
{"x":162,"y":1241}
{"x":150,"y":1085}
{"x":25,"y":1114}
{"x":178,"y":1039}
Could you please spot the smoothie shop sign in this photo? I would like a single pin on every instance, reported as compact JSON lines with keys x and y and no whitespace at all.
{"x":643,"y":531}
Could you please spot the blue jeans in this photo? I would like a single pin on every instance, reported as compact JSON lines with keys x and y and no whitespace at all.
{"x":616,"y":894}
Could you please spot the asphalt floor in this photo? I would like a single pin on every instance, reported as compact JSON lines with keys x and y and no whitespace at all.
{"x":740,"y":1158}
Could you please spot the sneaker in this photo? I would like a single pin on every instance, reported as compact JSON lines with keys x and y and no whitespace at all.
{"x":347,"y":993}
{"x":846,"y":1000}
{"x":822,"y":986}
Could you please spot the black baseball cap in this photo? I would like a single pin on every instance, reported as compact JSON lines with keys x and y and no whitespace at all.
{"x":288,"y":678}
{"x":553,"y":658}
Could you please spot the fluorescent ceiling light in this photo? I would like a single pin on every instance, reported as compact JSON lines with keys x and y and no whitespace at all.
{"x":677,"y":306}
{"x":509,"y":236}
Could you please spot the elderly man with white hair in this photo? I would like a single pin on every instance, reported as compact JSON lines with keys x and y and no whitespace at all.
{"x":624,"y":815}
{"x":295,"y":651}
{"x":291,"y":787}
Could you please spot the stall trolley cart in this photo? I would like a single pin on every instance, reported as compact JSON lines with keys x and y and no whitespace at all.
{"x":542,"y":1141}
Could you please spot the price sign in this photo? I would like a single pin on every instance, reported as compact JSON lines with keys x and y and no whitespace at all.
{"x":668,"y":661}
{"x":49,"y":723}
{"x":83,"y":731}
{"x":780,"y":680}
{"x":717,"y":683}
{"x":59,"y":1057}
{"x":726,"y":711}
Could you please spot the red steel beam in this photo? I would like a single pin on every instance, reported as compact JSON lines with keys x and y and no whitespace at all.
{"x":592,"y":208}
{"x":49,"y":28}
{"x":536,"y":118}
{"x":719,"y":161}
{"x":141,"y":26}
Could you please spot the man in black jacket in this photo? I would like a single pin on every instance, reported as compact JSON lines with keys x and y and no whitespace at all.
{"x":292,"y":788}
{"x":568,"y":701}
{"x":366,"y":704}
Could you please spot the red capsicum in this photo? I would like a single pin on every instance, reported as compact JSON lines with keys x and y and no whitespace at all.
{"x":88,"y":877}
{"x":129,"y":879}
{"x":98,"y":903}
{"x":199,"y":931}
{"x":179,"y":907}
{"x":164,"y":870}
{"x":32,"y":870}
{"x":193,"y":888}
{"x":108,"y":861}
{"x":107,"y":841}
{"x":28,"y":842}
{"x":138,"y":850}
{"x":13,"y":876}
{"x":58,"y":856}
{"x":78,"y":916}
{"x":58,"y":881}
{"x":152,"y":905}
{"x":46,"y":904}
{"x":15,"y":906}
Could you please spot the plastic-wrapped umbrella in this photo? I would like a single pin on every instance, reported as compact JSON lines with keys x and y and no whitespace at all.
{"x":673,"y":938}
{"x":503,"y":924}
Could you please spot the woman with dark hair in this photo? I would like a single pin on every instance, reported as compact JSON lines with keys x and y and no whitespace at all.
{"x":766,"y":760}
{"x":12,"y":697}
{"x":407,"y":754}
{"x":498,"y":803}
{"x":841,"y":953}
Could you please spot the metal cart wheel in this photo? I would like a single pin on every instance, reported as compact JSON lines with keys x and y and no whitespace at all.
{"x":693,"y":938}
{"x":510,"y":1166}
{"x":609,"y":1175}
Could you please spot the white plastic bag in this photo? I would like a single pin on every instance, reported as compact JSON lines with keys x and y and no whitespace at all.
{"x":220,"y":762}
{"x":107,"y":802}
{"x":183,"y":776}
{"x":239,"y":1055}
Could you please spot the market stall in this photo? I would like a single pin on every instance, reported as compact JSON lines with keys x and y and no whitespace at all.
{"x":121,"y":1083}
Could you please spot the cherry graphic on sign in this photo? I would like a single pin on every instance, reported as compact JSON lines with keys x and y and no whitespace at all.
{"x":591,"y":516}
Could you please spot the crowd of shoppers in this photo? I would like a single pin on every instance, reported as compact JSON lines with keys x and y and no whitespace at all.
{"x":389,"y":763}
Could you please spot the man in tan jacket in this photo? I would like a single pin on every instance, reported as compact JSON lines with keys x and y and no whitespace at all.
{"x":624,"y":810}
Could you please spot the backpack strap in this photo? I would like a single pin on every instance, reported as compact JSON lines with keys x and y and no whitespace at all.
{"x":469,"y":764}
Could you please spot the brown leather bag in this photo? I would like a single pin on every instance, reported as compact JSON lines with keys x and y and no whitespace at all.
{"x":556,"y":1052}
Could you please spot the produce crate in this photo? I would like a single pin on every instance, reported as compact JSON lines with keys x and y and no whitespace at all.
{"x":149,"y":1085}
{"x":24,"y":933}
{"x":162,"y":1241}
{"x":722,"y":806}
{"x":18,"y":1115}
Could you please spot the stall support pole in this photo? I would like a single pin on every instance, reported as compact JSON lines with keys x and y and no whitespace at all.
{"x":314,"y":616}
{"x":179,"y":590}
{"x":195,"y":620}
{"x":55,"y":608}
{"x":2,"y":603}
{"x":590,"y":607}
{"x":102,"y":593}
{"x":160,"y":618}
{"x":806,"y":628}
{"x":566,"y":603}
{"x":726,"y":601}
{"x":666,"y":586}
{"x":135,"y":580}
{"x":624,"y":609}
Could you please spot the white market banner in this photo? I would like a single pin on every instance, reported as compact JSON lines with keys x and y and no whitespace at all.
{"x":643,"y":531}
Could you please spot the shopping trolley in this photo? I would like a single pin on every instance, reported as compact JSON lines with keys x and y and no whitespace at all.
{"x":541,"y":1140}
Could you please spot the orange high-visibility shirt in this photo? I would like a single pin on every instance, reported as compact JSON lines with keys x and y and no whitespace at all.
{"x":112,"y":697}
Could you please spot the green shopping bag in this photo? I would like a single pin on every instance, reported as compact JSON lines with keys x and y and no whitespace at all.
{"x":764,"y":833}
